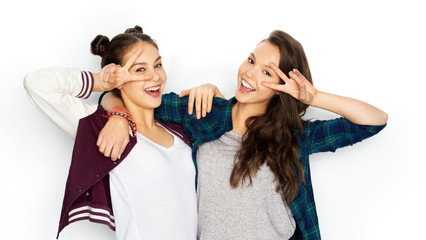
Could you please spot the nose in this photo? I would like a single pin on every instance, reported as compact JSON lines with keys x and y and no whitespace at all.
{"x":155,"y":76}
{"x":250,"y":72}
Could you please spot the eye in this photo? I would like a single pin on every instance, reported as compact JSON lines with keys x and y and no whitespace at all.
{"x":140,"y":70}
{"x":267,"y":73}
{"x":158,"y":65}
{"x":250,"y":61}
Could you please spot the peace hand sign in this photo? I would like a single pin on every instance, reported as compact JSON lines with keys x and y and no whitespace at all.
{"x":114,"y":76}
{"x":296,"y":86}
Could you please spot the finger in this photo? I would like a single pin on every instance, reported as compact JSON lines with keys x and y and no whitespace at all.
{"x":204,"y":104}
{"x":133,"y":58}
{"x":301,"y":85}
{"x":198,"y":100}
{"x":144,"y":77}
{"x":114,"y":153}
{"x":191,"y":102}
{"x":107,"y":71}
{"x":184,"y":93}
{"x":102,"y":147}
{"x":209,"y":103}
{"x":98,"y":142}
{"x":278,"y":87}
{"x":123,"y":147}
{"x":108,"y":150}
{"x":298,"y":73}
{"x":278,"y":72}
{"x":296,"y":78}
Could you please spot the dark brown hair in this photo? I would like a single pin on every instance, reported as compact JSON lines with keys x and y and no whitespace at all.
{"x":114,"y":50}
{"x":270,"y":137}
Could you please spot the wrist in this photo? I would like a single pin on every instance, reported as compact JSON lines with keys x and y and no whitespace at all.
{"x":97,"y":83}
{"x":119,"y":119}
{"x":122,"y":114}
{"x":316,"y":99}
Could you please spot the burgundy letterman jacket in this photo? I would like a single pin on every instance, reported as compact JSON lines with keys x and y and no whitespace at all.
{"x":87,"y":193}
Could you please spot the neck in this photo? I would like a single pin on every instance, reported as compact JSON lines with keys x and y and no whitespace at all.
{"x":143,"y":117}
{"x":241,"y":112}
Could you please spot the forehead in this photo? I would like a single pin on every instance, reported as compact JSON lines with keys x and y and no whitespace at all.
{"x":149,"y":52}
{"x":266,"y":52}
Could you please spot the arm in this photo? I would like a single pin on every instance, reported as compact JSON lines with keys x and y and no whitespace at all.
{"x":329,"y":135}
{"x":361,"y":120}
{"x":201,"y":95}
{"x":354,"y":110}
{"x":57,"y":93}
{"x":114,"y":136}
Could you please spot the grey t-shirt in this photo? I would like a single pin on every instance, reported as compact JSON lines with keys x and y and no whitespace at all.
{"x":249,"y":212}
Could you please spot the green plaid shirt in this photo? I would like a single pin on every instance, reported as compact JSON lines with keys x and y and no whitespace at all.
{"x":318,"y":136}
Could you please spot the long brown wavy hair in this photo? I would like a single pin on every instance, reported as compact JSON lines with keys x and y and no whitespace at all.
{"x":270,"y":137}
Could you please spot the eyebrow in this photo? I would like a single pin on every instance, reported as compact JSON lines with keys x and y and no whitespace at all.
{"x":144,"y":63}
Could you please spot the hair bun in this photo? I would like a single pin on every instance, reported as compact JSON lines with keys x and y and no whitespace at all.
{"x":98,"y":45}
{"x":136,"y":29}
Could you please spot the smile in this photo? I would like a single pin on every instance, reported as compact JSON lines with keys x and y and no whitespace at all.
{"x":245,"y":87}
{"x":153,"y":91}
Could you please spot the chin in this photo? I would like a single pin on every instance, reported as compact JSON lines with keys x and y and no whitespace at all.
{"x":155,"y":104}
{"x":244,"y":98}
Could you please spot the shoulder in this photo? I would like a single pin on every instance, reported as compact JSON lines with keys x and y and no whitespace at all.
{"x":98,"y":117}
{"x":222,"y":105}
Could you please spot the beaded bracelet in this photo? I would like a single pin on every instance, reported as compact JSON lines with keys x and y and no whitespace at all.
{"x":113,"y":113}
{"x":122,"y":110}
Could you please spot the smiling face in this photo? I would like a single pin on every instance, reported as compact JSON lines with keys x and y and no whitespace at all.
{"x":144,"y":94}
{"x":253,"y":71}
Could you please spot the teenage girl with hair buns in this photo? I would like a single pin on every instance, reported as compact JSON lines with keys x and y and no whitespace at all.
{"x":150,"y":194}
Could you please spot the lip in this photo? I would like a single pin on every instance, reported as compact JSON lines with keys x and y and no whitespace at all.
{"x":244,"y":89}
{"x":153,"y":94}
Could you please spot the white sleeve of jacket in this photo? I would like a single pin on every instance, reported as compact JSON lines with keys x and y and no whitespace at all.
{"x":58,"y":92}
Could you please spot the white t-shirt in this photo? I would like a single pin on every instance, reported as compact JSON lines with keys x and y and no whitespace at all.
{"x":153,"y":192}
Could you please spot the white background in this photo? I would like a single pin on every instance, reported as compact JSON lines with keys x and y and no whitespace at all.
{"x":370,"y":50}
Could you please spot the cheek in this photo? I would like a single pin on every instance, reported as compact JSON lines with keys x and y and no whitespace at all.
{"x":164,"y":76}
{"x":243,"y":68}
{"x":132,"y":86}
{"x":265,"y":90}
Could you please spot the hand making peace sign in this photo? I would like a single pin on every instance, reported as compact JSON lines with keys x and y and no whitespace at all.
{"x":296,"y":86}
{"x":114,"y":76}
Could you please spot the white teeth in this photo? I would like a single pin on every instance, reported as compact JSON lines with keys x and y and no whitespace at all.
{"x":153,"y":89}
{"x":245,"y":84}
